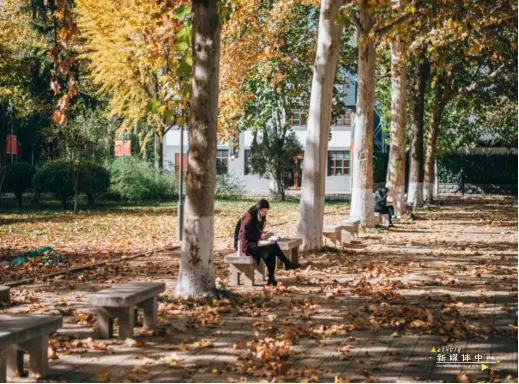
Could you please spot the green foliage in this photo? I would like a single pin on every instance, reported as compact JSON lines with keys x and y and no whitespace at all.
{"x":135,"y":179}
{"x":478,"y":168}
{"x":273,"y":156}
{"x":229,"y":187}
{"x":55,"y":177}
{"x":94,"y":179}
{"x":18,"y":177}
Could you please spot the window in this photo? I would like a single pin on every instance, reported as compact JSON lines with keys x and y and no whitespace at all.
{"x":297,"y":118}
{"x":338,"y":163}
{"x":344,"y":120}
{"x":222,"y":161}
{"x":248,"y":163}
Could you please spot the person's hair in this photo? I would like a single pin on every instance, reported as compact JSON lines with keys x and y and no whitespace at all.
{"x":263,"y":203}
{"x":385,"y":189}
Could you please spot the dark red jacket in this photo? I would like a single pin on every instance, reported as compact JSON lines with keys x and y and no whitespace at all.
{"x":250,"y":231}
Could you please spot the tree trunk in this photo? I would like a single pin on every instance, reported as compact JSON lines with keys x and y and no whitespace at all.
{"x":196,"y":274}
{"x":362,"y":189}
{"x":396,"y":167}
{"x":441,"y":95}
{"x":430,"y":153}
{"x":159,"y":150}
{"x":416,"y":172}
{"x":311,"y":207}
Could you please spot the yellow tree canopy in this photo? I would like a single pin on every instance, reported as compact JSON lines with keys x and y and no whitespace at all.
{"x":138,"y":54}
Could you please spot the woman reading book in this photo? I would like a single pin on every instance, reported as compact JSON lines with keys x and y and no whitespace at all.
{"x":252,"y":232}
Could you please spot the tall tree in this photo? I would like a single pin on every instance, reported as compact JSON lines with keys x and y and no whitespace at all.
{"x":374,"y":20}
{"x":416,"y":172}
{"x":311,"y":208}
{"x":397,"y":157}
{"x":139,"y":55}
{"x":196,"y":274}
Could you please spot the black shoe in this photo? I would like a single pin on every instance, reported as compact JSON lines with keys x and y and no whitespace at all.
{"x":290,"y":265}
{"x":272,"y":281}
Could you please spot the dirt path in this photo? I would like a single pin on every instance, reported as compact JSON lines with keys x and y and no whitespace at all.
{"x":369,"y":312}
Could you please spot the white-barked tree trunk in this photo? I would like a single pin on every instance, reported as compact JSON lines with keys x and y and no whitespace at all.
{"x":311,"y":208}
{"x":196,"y":274}
{"x":362,"y":188}
{"x":396,"y":166}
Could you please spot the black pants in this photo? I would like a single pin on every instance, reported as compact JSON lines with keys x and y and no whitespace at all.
{"x":389,"y":210}
{"x":269,"y":254}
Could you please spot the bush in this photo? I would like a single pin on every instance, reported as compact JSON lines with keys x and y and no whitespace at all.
{"x":229,"y":187}
{"x":18,"y":178}
{"x":94,"y":180}
{"x":135,"y":179}
{"x":478,"y":168}
{"x":55,"y":177}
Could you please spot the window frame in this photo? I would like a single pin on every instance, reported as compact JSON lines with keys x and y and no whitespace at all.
{"x":346,"y":157}
{"x":219,"y":155}
{"x":247,"y":154}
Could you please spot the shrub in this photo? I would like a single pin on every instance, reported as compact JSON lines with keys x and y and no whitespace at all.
{"x":94,"y":180}
{"x":55,"y":177}
{"x":135,"y":179}
{"x":229,"y":187}
{"x":18,"y":178}
{"x":478,"y":168}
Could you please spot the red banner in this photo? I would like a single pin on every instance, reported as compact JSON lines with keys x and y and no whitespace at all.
{"x":123,"y":148}
{"x":12,"y":145}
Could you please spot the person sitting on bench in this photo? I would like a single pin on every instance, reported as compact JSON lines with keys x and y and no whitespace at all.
{"x":380,"y":203}
{"x":251,"y":231}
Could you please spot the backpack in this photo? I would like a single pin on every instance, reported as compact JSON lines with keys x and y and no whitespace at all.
{"x":237,"y":234}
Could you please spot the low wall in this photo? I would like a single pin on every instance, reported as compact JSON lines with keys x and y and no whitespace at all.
{"x":506,"y":189}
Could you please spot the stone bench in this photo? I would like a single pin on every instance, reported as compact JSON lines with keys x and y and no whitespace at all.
{"x":382,"y":218}
{"x":333,"y":233}
{"x":122,"y":302}
{"x":351,"y":226}
{"x":21,"y":334}
{"x":245,"y":270}
{"x":290,"y":249}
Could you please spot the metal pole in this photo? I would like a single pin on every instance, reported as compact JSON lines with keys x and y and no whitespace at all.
{"x":12,"y":140}
{"x":180,"y":209}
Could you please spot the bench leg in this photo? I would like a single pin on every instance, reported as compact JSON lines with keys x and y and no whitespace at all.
{"x":37,"y":349}
{"x":14,"y":358}
{"x":3,"y":365}
{"x":126,"y":318}
{"x":242,"y":274}
{"x":106,"y":323}
{"x":149,"y":308}
{"x":259,"y":271}
{"x":295,"y":255}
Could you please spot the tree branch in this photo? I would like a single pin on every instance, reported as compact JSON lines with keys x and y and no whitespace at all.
{"x":385,"y":29}
{"x":354,"y":19}
{"x":478,"y":84}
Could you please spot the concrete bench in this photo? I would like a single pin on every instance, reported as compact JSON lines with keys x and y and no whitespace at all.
{"x":333,"y":233}
{"x":122,"y":302}
{"x":290,"y":249}
{"x":382,"y":218}
{"x":351,"y":226}
{"x":245,"y":270}
{"x":21,"y":334}
{"x":5,"y":296}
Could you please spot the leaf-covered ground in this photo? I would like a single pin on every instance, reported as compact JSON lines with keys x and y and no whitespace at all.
{"x":369,"y":312}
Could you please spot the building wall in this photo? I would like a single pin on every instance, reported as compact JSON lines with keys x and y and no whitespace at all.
{"x":340,"y":141}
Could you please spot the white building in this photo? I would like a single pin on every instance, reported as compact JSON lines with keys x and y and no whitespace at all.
{"x":338,"y":183}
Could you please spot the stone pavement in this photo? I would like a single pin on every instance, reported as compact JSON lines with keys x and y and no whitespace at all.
{"x":369,"y":312}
